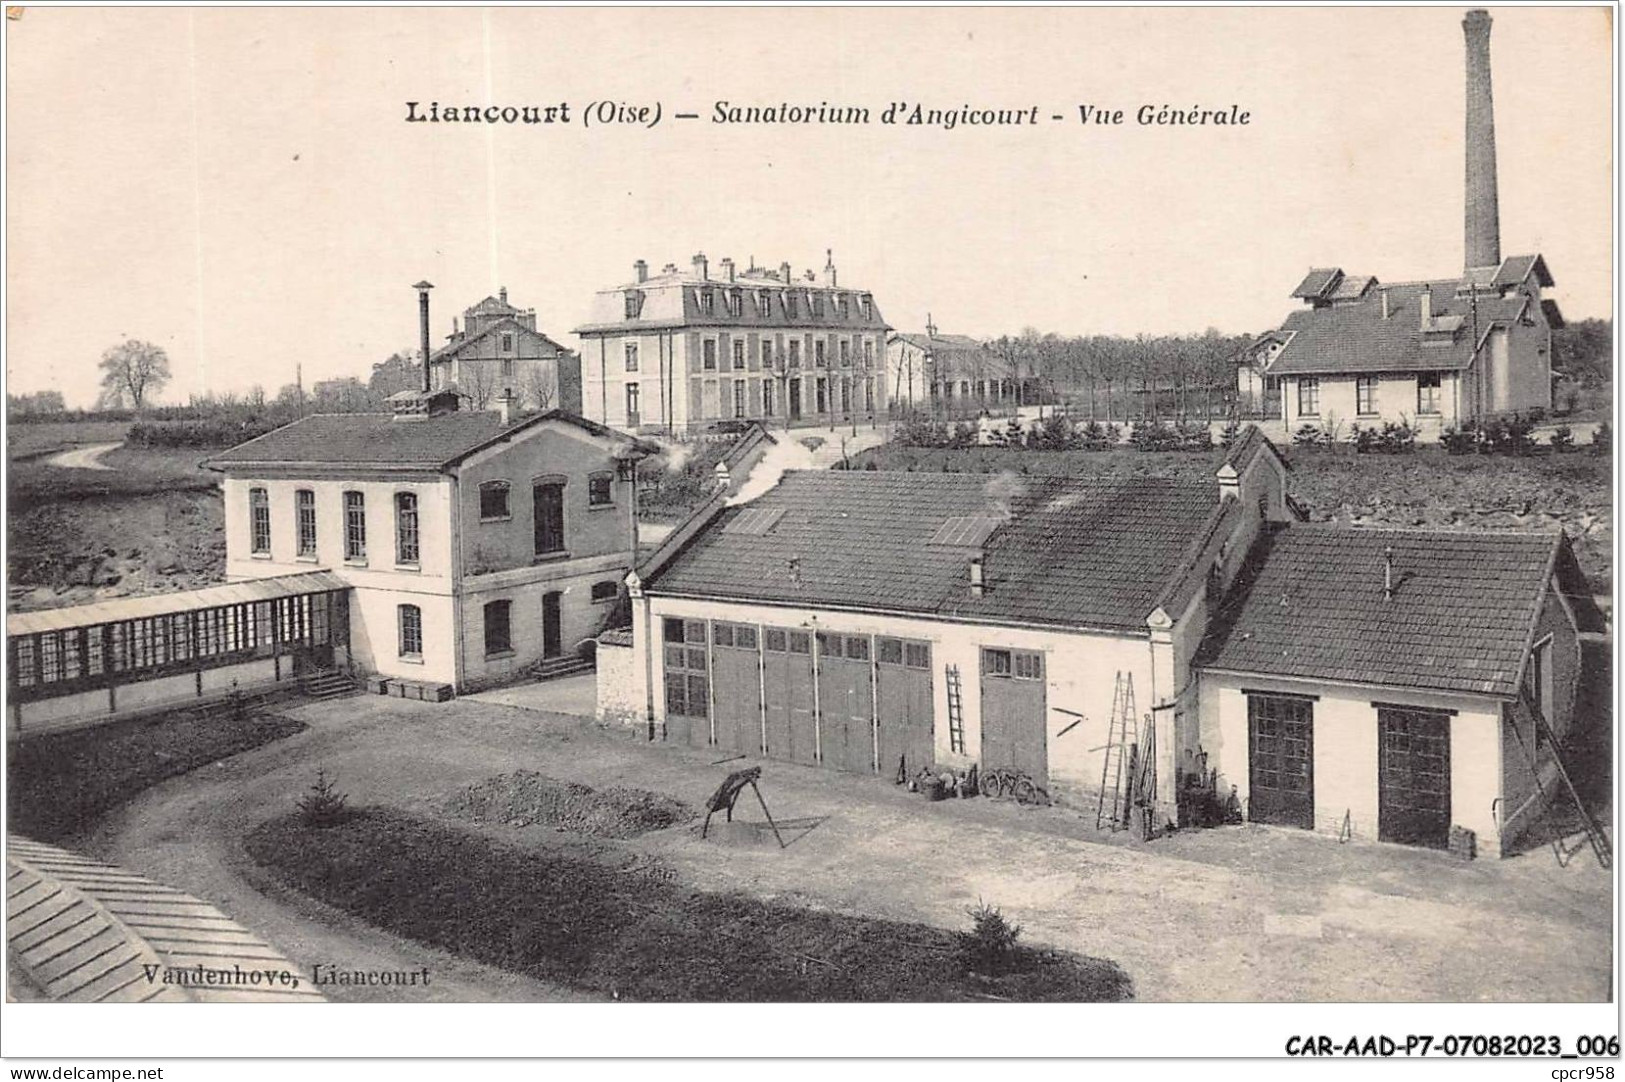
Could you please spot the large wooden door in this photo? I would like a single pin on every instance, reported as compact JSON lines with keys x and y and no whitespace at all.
{"x":1281,"y":733}
{"x":787,"y":679}
{"x":547,"y":516}
{"x":846,"y":702}
{"x":738,"y":687}
{"x":904,"y":705}
{"x":1013,"y":707}
{"x":1413,"y":777}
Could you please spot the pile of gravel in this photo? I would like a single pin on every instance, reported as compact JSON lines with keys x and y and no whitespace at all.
{"x":524,"y":798}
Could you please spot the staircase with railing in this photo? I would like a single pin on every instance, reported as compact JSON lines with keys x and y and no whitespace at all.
{"x":1526,"y":710}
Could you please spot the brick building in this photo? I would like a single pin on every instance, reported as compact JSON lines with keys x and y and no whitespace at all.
{"x":498,"y":350}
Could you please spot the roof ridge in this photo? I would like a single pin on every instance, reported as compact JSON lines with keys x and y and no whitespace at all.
{"x":1498,"y":531}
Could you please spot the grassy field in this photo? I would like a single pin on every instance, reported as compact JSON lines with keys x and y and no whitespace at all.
{"x":58,"y":784}
{"x":40,"y":438}
{"x":1428,"y":488}
{"x":633,"y":934}
{"x":136,"y":471}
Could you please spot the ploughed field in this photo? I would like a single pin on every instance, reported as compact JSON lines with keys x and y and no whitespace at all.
{"x":1427,"y":488}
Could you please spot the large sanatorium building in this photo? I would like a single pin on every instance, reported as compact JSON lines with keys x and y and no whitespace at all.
{"x":1390,"y":684}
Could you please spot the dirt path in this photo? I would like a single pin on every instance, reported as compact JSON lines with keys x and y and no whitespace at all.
{"x":188,"y":833}
{"x":1241,"y":914}
{"x":88,"y":457}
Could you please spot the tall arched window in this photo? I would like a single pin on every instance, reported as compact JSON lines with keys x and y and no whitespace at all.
{"x":406,"y":528}
{"x":411,"y":625}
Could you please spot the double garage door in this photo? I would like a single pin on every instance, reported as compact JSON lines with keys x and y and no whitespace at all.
{"x":1413,"y":768}
{"x":852,"y":702}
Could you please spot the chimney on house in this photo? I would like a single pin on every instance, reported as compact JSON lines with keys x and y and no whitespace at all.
{"x":1385,"y":309}
{"x":701,"y":267}
{"x":641,"y":269}
{"x":727,"y":267}
{"x":669,"y":268}
{"x":1483,"y":218}
{"x":829,"y":267}
{"x":505,"y":406}
{"x":502,"y":294}
{"x":1388,"y":573}
{"x":423,"y":328}
{"x":795,"y":571}
{"x":978,"y":584}
{"x":930,"y":326}
{"x":1426,"y":301}
{"x":784,"y":273}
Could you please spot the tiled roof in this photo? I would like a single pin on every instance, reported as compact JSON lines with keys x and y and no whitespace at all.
{"x":1312,"y":605}
{"x":378,"y":441}
{"x":1075,"y":552}
{"x":1354,"y":337}
{"x":451,"y":349}
{"x":1318,"y":281}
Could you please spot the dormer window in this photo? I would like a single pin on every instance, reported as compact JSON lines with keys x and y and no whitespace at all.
{"x":868,"y":307}
{"x":707,"y":302}
{"x":764,"y":302}
{"x":818,"y":305}
{"x":507,"y":343}
{"x":736,"y":302}
{"x":845,"y":305}
{"x":634,"y":303}
{"x":789,"y":304}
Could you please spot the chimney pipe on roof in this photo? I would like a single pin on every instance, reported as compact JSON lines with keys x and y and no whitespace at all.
{"x":829,"y":267}
{"x":423,"y":328}
{"x":727,"y":267}
{"x":784,"y":273}
{"x":1388,"y":573}
{"x":701,"y":267}
{"x":502,"y":294}
{"x":978,"y":585}
{"x":1426,"y":301}
{"x":641,"y":269}
{"x":1483,"y":220}
{"x":1385,"y":310}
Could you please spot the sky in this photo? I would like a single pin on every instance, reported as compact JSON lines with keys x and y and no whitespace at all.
{"x":241,"y":186}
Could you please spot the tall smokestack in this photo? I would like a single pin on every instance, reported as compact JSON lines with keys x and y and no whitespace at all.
{"x":423,"y":328}
{"x":1483,"y":206}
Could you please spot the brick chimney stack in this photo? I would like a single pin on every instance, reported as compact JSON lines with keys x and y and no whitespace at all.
{"x":1483,"y":218}
{"x":423,"y":288}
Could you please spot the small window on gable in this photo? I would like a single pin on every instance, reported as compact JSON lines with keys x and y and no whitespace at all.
{"x":600,"y":492}
{"x":507,"y":343}
{"x":494,"y":501}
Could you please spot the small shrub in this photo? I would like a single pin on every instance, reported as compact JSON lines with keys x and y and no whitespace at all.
{"x":1193,"y":437}
{"x":1364,"y":439}
{"x":1520,"y":429}
{"x":1153,"y":436}
{"x":990,"y":946}
{"x":1396,"y":438}
{"x":323,"y":806}
{"x":1307,"y":436}
{"x":1492,"y":437}
{"x":1460,"y":441}
{"x":1562,"y":441}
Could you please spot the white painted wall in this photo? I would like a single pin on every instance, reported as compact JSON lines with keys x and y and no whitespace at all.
{"x":1346,"y":749}
{"x":1080,"y":671}
{"x":620,"y":686}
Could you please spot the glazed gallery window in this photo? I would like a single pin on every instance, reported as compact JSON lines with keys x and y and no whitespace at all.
{"x":1365,"y":395}
{"x":1427,"y":392}
{"x":688,"y":687}
{"x":406,"y":528}
{"x":411,"y":625}
{"x":259,"y":521}
{"x":548,"y":514}
{"x":631,"y":356}
{"x":304,"y":515}
{"x":498,"y":628}
{"x":494,"y":501}
{"x":1309,"y":396}
{"x":355,"y":526}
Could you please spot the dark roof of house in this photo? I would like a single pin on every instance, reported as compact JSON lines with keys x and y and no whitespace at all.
{"x":1248,"y":443}
{"x":379,"y":441}
{"x":508,"y":323}
{"x":957,"y":354}
{"x":1317,"y":282}
{"x":1311,"y":604}
{"x":1072,"y":552}
{"x":1354,"y":337}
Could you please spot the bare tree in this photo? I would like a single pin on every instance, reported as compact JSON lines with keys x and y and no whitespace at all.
{"x":132,"y":371}
{"x":537,"y":388}
{"x":477,"y":380}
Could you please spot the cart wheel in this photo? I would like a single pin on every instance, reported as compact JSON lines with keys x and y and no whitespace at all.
{"x":1024,"y":790}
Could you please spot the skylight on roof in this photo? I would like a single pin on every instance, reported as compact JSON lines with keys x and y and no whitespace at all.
{"x":754,"y":521}
{"x":966,"y":531}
